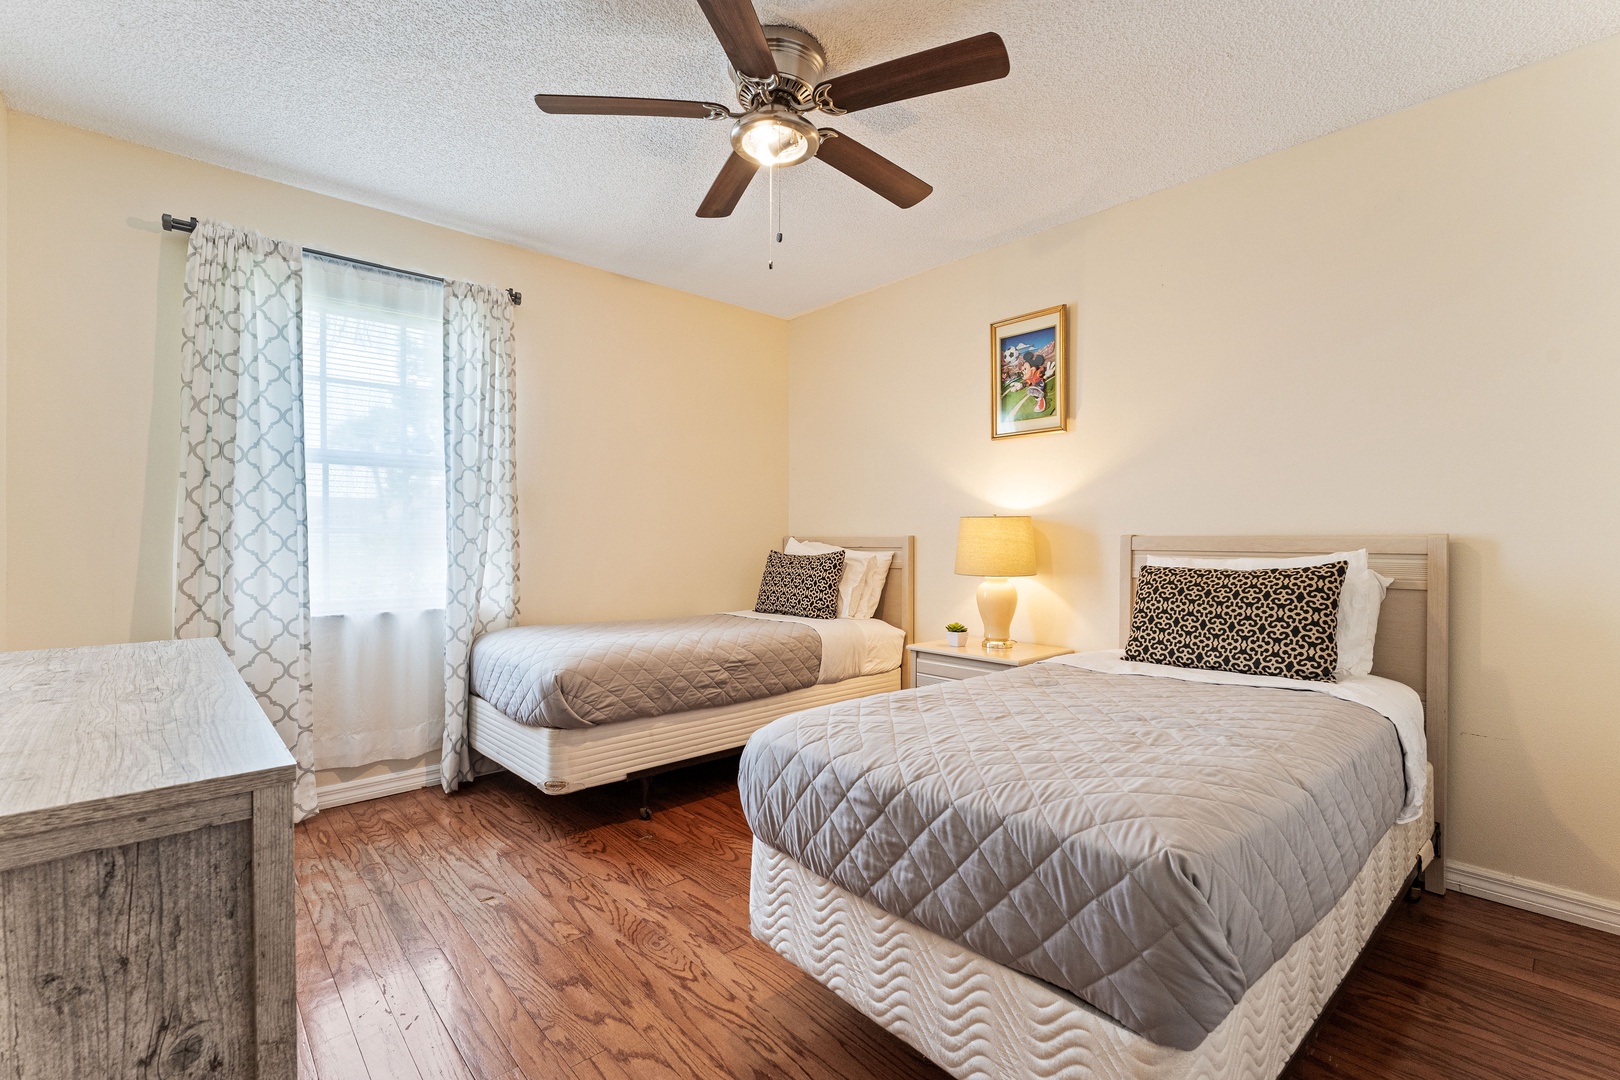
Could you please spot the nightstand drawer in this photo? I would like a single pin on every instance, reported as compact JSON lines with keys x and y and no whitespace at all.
{"x":930,"y":680}
{"x":954,"y":667}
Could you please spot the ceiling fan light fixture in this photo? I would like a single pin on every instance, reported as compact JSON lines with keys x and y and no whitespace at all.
{"x":775,"y":137}
{"x":777,"y":70}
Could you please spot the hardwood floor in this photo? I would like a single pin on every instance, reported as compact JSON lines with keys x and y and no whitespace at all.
{"x":502,"y":934}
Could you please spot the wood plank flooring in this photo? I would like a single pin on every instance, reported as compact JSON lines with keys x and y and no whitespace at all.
{"x":501,"y":934}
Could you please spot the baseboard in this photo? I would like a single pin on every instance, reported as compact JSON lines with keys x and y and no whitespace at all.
{"x":1544,"y":899}
{"x":375,"y":787}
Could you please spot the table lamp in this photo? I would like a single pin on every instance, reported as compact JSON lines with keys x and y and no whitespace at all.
{"x":996,"y":548}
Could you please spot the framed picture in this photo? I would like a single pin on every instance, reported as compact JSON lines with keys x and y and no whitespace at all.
{"x":1029,"y":373}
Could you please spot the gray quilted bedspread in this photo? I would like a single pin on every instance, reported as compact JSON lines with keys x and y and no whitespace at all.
{"x":575,"y":676}
{"x":1150,"y":845}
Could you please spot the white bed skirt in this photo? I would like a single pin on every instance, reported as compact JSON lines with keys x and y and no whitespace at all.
{"x":558,"y":760}
{"x":976,"y":1018}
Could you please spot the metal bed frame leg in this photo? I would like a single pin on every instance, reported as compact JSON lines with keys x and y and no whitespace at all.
{"x":646,"y":775}
{"x":1414,"y":891}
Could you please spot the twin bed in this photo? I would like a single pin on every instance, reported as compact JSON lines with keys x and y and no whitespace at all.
{"x":572,"y":707}
{"x":1091,"y":867}
{"x":1098,"y":868}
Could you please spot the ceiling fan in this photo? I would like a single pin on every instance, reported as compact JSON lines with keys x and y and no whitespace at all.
{"x":776,"y":69}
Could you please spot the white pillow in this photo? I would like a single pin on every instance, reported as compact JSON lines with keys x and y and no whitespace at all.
{"x":864,"y":575}
{"x":852,"y":589}
{"x":1359,"y":602}
{"x":877,"y":575}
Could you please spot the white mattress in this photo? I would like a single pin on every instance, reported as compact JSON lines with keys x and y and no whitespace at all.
{"x":980,"y":1019}
{"x":558,"y":760}
{"x":850,"y":648}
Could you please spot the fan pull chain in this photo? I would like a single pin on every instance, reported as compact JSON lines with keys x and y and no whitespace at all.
{"x":770,"y":222}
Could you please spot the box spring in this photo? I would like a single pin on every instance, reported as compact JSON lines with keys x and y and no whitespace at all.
{"x":562,"y":760}
{"x":979,"y":1019}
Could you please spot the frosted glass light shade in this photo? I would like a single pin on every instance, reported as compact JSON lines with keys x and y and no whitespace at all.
{"x":998,"y":547}
{"x":775,"y":136}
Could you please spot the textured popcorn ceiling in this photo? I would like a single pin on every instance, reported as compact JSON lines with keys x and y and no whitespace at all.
{"x":425,"y":108}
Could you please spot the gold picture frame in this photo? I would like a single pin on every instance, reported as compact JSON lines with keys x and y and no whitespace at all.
{"x":1029,"y":373}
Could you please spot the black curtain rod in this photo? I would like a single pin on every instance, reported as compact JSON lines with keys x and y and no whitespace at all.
{"x":185,"y":225}
{"x":372,"y":265}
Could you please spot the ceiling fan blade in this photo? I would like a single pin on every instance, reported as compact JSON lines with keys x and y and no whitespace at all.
{"x":961,"y":63}
{"x":872,"y":169}
{"x":728,"y":187}
{"x":737,"y":26}
{"x":580,"y":104}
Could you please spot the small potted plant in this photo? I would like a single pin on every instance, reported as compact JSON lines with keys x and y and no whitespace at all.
{"x":956,"y":634}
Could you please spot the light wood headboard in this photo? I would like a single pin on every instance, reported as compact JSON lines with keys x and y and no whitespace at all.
{"x":898,"y":606}
{"x":1414,"y":627}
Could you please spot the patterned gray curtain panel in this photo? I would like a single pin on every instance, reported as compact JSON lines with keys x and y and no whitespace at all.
{"x":243,"y":569}
{"x":480,"y":490}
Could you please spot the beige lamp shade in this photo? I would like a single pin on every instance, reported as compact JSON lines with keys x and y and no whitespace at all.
{"x":996,"y":547}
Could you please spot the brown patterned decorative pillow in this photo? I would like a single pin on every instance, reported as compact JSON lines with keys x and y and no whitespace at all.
{"x":802,"y":585}
{"x":1281,"y":622}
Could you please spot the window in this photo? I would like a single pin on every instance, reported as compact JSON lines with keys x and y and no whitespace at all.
{"x":374,"y":438}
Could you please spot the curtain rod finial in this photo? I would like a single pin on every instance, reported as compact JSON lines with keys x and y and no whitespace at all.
{"x":515,"y":296}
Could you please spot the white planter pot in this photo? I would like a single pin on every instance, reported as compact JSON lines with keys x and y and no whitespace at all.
{"x":956,"y":639}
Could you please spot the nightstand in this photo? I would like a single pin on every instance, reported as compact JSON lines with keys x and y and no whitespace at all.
{"x":936,"y":662}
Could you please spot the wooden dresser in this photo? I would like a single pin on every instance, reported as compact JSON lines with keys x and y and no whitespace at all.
{"x":146,"y":882}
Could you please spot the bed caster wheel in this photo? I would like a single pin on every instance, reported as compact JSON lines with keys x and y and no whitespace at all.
{"x":646,"y":814}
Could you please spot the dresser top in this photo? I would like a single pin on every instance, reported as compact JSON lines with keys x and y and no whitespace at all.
{"x":80,"y":725}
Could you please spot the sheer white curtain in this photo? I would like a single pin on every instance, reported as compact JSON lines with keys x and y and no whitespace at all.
{"x":241,"y":556}
{"x":480,"y":435}
{"x":373,"y":399}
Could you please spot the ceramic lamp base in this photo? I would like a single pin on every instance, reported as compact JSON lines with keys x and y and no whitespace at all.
{"x":998,"y":599}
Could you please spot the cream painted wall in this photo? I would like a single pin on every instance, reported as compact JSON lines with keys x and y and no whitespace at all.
{"x":5,"y":172}
{"x":1409,"y":326}
{"x":652,"y":445}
